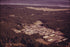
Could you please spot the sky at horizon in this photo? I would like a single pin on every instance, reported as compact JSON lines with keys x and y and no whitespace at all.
{"x":60,"y":3}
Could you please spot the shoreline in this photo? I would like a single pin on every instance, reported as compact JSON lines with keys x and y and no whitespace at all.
{"x":54,"y":7}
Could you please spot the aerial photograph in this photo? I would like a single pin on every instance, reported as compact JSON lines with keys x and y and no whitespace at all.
{"x":34,"y":23}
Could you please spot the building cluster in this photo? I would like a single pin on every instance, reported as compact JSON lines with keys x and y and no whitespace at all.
{"x":49,"y":35}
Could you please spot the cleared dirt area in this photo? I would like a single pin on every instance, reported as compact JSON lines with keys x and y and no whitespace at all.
{"x":47,"y":9}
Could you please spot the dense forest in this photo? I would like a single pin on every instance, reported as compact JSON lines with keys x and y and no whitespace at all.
{"x":23,"y":15}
